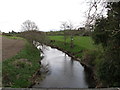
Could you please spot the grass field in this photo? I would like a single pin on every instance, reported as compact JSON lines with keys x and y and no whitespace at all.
{"x":18,"y":70}
{"x":13,"y":37}
{"x":83,"y":42}
{"x":80,"y":43}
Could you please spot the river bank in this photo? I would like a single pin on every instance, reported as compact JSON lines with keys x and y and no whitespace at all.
{"x":20,"y":70}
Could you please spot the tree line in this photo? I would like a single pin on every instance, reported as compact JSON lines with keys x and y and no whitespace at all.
{"x":107,"y":33}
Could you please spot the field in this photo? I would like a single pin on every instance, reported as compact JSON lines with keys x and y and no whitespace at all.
{"x":11,"y":46}
{"x":81,"y":44}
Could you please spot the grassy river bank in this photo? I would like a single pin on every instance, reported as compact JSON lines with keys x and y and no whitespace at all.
{"x":19,"y":71}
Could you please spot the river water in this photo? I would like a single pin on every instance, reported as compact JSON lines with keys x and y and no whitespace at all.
{"x":63,"y":71}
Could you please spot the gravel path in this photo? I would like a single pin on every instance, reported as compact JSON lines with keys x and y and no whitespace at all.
{"x":10,"y":47}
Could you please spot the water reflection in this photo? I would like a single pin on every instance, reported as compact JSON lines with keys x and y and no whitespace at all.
{"x":65,"y":72}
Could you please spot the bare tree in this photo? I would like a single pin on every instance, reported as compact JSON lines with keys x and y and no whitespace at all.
{"x":71,"y":33}
{"x":68,"y":28}
{"x":64,"y":26}
{"x":97,"y":8}
{"x":31,"y":32}
{"x":28,"y":25}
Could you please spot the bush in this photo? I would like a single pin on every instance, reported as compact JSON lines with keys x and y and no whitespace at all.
{"x":108,"y":68}
{"x":89,"y":57}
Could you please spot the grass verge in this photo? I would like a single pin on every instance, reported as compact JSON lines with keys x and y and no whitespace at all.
{"x":18,"y":70}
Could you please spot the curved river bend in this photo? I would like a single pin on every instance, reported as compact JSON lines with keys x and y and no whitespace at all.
{"x":64,"y":72}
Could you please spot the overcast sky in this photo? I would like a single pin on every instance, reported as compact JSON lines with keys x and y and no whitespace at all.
{"x":47,"y":14}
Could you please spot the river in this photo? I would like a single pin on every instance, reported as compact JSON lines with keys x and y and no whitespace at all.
{"x":63,"y":71}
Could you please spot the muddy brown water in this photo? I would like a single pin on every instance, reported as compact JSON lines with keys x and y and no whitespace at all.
{"x":63,"y":71}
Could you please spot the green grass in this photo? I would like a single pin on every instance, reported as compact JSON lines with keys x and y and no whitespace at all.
{"x":80,"y":44}
{"x":83,"y":42}
{"x":17,"y":74}
{"x":13,"y":37}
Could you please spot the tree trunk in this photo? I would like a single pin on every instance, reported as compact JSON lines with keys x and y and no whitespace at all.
{"x":71,"y":44}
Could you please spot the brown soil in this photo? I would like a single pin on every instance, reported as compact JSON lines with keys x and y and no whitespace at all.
{"x":10,"y":47}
